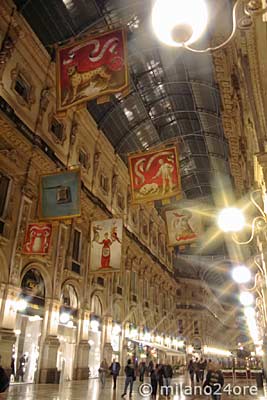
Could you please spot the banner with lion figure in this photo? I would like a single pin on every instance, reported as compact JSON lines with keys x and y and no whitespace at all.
{"x":184,"y":225}
{"x":91,"y":68}
{"x":154,"y":175}
{"x":106,"y":245}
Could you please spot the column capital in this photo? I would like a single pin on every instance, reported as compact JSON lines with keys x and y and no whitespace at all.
{"x":262,"y":159}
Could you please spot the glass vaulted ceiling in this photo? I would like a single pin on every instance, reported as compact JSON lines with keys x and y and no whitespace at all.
{"x":173,"y":93}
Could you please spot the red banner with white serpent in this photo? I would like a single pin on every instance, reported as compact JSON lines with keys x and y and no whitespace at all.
{"x":154,"y":175}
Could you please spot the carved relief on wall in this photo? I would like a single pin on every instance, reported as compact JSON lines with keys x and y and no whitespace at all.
{"x":120,"y":200}
{"x":103,"y":183}
{"x":43,"y":103}
{"x":21,"y":228}
{"x":22,"y":86}
{"x":6,"y":51}
{"x":60,"y":261}
{"x":97,"y":156}
{"x":74,"y":132}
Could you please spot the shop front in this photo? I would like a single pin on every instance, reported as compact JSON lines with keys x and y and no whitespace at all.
{"x":115,"y":340}
{"x":28,"y":328}
{"x":67,"y":333}
{"x":95,"y":334}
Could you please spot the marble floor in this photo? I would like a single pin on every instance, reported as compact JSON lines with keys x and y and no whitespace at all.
{"x":92,"y":390}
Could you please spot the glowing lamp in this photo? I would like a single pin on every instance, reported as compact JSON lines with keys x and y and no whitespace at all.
{"x":64,"y":318}
{"x":246,"y":298}
{"x":179,"y":22}
{"x":241,"y":274}
{"x":231,"y":219}
{"x":22,"y":305}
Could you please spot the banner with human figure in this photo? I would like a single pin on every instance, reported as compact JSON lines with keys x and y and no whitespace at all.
{"x":106,"y":245}
{"x":37,"y":238}
{"x":184,"y":226}
{"x":154,"y":175}
{"x":91,"y":68}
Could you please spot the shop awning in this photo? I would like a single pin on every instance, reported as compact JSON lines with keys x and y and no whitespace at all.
{"x":167,"y":350}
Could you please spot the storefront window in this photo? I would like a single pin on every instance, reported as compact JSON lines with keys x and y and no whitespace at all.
{"x":28,"y":327}
{"x":67,"y":332}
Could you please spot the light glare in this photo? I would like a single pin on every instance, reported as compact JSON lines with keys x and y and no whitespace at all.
{"x":64,"y":318}
{"x":241,"y":274}
{"x":231,"y":219}
{"x":169,"y":14}
{"x":246,"y":298}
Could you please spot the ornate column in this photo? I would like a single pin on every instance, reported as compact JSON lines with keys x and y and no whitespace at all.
{"x":82,"y":366}
{"x":106,"y":338}
{"x":48,"y":363}
{"x":8,"y":313}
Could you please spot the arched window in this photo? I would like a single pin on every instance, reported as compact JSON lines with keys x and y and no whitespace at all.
{"x":117,"y":312}
{"x":32,"y":284}
{"x":69,"y":297}
{"x":96,"y":306}
{"x":32,"y":296}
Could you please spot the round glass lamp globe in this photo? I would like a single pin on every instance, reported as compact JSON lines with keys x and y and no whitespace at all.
{"x":179,"y":22}
{"x":241,"y":274}
{"x":64,"y":318}
{"x":231,"y":219}
{"x":246,"y":299}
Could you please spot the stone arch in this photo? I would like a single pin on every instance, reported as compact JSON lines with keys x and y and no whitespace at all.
{"x":132,"y":317}
{"x":76,"y":287}
{"x":97,"y":304}
{"x":45,"y":275}
{"x":3,"y":267}
{"x":118,"y":311}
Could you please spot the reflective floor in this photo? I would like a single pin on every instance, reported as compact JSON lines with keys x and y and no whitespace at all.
{"x":92,"y":390}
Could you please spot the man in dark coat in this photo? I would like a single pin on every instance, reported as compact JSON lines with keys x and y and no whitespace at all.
{"x":115,"y":370}
{"x":215,"y":381}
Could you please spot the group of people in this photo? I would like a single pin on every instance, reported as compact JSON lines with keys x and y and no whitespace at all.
{"x":197,"y":368}
{"x":160,"y":375}
{"x":214,"y":378}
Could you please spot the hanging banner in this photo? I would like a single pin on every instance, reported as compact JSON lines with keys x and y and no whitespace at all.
{"x":106,"y":245}
{"x":92,"y":68}
{"x":60,"y":195}
{"x":154,"y":175}
{"x":184,"y":226}
{"x":37,"y":238}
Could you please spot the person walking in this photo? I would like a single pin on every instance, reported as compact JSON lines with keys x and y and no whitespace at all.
{"x":167,"y":378}
{"x":196,"y":368}
{"x":154,"y":380}
{"x":191,"y":371}
{"x":215,"y":381}
{"x":202,"y":367}
{"x":142,"y":370}
{"x":115,"y":370}
{"x":4,"y":379}
{"x":103,"y":372}
{"x":129,"y":379}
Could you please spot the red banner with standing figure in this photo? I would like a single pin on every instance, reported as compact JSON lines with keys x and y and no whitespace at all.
{"x":154,"y":175}
{"x":91,"y":68}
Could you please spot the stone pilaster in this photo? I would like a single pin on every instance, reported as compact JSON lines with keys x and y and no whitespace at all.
{"x":82,"y":370}
{"x":7,"y":340}
{"x":48,"y":370}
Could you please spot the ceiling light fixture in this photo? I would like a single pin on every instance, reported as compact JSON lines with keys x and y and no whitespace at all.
{"x":231,"y":219}
{"x":180,"y":23}
{"x":241,"y":274}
